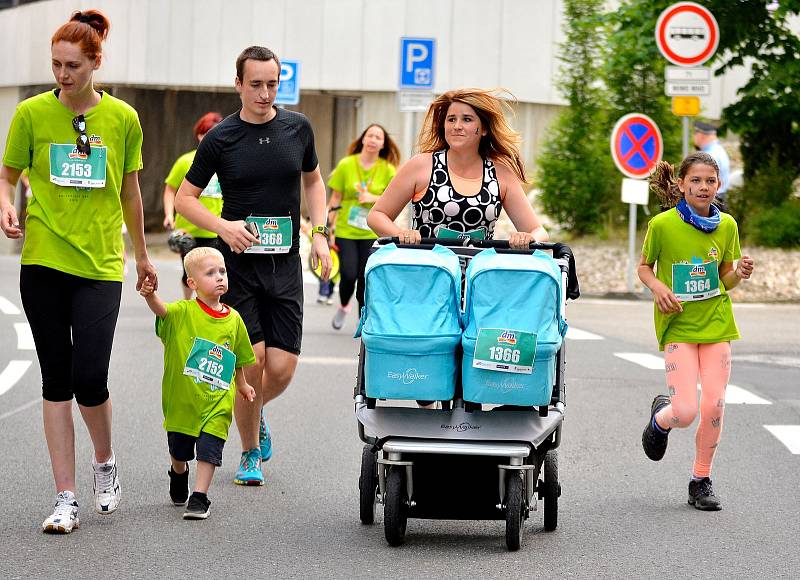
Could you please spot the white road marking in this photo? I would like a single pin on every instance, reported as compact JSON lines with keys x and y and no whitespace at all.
{"x":738,"y":396}
{"x":769,"y":359}
{"x":645,"y":360}
{"x":27,"y":405}
{"x":328,"y":360}
{"x":7,"y":307}
{"x":578,"y":334}
{"x":12,"y":373}
{"x":789,"y":435}
{"x":24,"y":336}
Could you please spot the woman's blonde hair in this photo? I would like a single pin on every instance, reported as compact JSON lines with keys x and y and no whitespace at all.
{"x":194,"y":256}
{"x":664,"y":182}
{"x":501,"y":142}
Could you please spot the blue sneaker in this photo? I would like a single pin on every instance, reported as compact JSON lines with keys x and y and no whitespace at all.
{"x":249,"y":472}
{"x":264,"y":439}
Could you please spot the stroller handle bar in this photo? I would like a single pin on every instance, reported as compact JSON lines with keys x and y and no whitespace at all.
{"x":560,"y":251}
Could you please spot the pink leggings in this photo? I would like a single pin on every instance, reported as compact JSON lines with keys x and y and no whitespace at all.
{"x":683,"y":363}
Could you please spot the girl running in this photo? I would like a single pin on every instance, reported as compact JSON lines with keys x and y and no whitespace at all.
{"x":693,"y":247}
{"x":82,"y":148}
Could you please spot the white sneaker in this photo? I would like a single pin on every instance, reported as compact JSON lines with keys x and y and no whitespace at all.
{"x":107,"y":491}
{"x":64,"y":518}
{"x":339,"y":317}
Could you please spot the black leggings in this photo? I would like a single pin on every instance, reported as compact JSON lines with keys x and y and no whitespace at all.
{"x":353,"y":256}
{"x":72,"y":321}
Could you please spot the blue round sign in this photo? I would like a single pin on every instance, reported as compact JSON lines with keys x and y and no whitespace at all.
{"x":636,"y":145}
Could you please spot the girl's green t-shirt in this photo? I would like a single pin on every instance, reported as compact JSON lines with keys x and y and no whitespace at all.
{"x":349,"y":178}
{"x":75,"y":229}
{"x":210,"y":197}
{"x":190,"y":405}
{"x":670,"y":240}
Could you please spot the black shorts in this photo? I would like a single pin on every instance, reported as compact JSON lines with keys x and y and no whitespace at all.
{"x":209,"y":447}
{"x":72,"y":320}
{"x":198,"y":243}
{"x":267,"y":291}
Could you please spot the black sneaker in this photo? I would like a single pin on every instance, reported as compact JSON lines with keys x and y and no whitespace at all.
{"x":701,"y":495}
{"x":198,"y":508}
{"x":179,"y":486}
{"x":654,"y":441}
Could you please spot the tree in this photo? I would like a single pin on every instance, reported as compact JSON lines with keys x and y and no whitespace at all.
{"x":575,"y":171}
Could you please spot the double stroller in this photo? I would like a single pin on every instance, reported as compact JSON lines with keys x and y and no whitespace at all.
{"x":478,"y":329}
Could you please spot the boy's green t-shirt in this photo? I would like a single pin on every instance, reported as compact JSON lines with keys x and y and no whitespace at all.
{"x":348,"y":177}
{"x":210,"y":197}
{"x":670,"y":240}
{"x":74,"y":229}
{"x":190,"y":405}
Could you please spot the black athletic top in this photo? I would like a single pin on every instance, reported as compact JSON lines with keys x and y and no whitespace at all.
{"x":259,"y":166}
{"x":443,"y":206}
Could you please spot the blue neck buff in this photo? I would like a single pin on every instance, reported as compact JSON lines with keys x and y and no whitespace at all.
{"x":704,"y":224}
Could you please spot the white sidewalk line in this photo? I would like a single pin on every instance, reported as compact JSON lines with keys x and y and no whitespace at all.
{"x":12,"y":373}
{"x":7,"y":307}
{"x":27,"y":405}
{"x":24,"y":336}
{"x":643,"y":359}
{"x":789,"y":435}
{"x":328,"y":360}
{"x":578,"y":334}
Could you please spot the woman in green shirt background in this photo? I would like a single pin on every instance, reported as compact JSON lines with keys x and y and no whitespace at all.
{"x":210,"y":197}
{"x":357,"y":182}
{"x":82,"y":148}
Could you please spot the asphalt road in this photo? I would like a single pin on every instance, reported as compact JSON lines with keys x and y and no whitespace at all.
{"x":621,"y":516}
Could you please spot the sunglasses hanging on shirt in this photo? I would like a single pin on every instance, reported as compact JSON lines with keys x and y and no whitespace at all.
{"x":82,"y":142}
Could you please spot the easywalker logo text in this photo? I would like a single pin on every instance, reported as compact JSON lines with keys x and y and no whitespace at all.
{"x":507,"y":337}
{"x":216,"y":352}
{"x":504,"y":386}
{"x":698,"y":270}
{"x":408,"y":376}
{"x":461,"y":427}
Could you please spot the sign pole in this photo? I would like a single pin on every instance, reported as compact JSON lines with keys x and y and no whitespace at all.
{"x":685,"y":121}
{"x":631,"y":244}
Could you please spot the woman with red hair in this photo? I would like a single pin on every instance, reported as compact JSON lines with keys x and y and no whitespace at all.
{"x":210,"y":197}
{"x":82,"y":149}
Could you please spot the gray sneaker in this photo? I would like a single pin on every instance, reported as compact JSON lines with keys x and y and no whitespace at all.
{"x":338,"y":318}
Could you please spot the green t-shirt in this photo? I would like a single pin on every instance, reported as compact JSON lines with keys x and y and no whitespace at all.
{"x":74,"y":229}
{"x":669,"y":241}
{"x":210,"y":197}
{"x":191,"y":406}
{"x":347,"y":179}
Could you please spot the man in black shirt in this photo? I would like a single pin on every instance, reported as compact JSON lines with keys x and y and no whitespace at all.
{"x":261,"y":156}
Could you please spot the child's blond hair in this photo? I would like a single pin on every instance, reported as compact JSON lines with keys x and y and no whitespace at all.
{"x":194,"y":256}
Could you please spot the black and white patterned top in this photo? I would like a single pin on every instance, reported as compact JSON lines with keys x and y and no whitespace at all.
{"x":443,"y":206}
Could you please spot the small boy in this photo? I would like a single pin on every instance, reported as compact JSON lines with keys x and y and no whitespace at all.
{"x":205,"y":345}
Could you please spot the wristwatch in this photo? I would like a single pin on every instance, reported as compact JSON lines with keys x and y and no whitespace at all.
{"x":324,"y":230}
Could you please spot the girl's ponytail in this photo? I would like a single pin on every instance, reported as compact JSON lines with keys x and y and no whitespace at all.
{"x":664,"y":184}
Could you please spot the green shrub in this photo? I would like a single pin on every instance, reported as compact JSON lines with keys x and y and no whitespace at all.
{"x":777,"y":227}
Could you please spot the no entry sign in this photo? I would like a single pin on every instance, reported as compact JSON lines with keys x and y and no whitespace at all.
{"x":687,"y":34}
{"x":636,"y":145}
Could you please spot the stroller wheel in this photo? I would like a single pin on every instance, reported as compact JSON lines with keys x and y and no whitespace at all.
{"x":395,"y":509}
{"x":515,"y":510}
{"x":552,"y":489}
{"x":367,"y":485}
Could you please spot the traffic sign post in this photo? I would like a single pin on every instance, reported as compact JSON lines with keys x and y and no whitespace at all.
{"x":687,"y":34}
{"x":289,"y":86}
{"x":636,"y":147}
